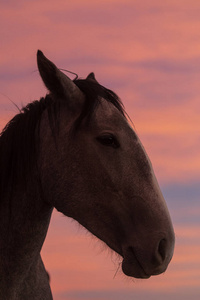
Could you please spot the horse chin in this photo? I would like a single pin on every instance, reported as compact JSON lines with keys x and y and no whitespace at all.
{"x":132,"y":267}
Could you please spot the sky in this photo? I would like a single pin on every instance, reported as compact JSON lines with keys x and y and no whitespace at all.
{"x":148,"y":52}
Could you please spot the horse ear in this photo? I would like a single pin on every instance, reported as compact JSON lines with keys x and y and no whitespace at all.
{"x":55,"y":80}
{"x":91,"y":76}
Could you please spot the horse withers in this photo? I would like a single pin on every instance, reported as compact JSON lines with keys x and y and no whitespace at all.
{"x":76,"y":151}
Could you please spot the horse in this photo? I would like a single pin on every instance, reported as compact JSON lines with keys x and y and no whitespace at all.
{"x":75,"y":150}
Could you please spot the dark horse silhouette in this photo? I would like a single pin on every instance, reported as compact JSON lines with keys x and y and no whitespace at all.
{"x":75,"y":150}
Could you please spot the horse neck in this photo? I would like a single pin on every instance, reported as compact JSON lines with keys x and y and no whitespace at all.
{"x":24,"y":223}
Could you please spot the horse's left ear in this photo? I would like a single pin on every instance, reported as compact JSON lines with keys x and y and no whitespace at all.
{"x":56,"y":81}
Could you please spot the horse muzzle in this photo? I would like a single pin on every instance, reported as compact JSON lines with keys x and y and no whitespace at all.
{"x":145,"y":262}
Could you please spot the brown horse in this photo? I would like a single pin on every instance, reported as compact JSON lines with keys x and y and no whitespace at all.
{"x":75,"y":150}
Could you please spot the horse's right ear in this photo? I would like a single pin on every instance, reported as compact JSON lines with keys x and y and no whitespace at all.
{"x":91,"y":77}
{"x":57,"y":82}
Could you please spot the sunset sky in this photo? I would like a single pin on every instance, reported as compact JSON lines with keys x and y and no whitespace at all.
{"x":148,"y":52}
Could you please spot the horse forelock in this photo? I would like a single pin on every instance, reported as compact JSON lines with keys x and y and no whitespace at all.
{"x":94,"y":92}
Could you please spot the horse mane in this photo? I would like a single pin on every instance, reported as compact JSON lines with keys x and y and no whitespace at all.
{"x":18,"y":145}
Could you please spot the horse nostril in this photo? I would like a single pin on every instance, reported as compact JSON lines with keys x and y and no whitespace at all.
{"x":162,"y":248}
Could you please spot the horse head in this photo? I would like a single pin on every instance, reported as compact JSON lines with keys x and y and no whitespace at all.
{"x":95,"y":170}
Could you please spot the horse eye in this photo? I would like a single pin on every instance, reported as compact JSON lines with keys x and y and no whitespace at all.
{"x":108,"y":140}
